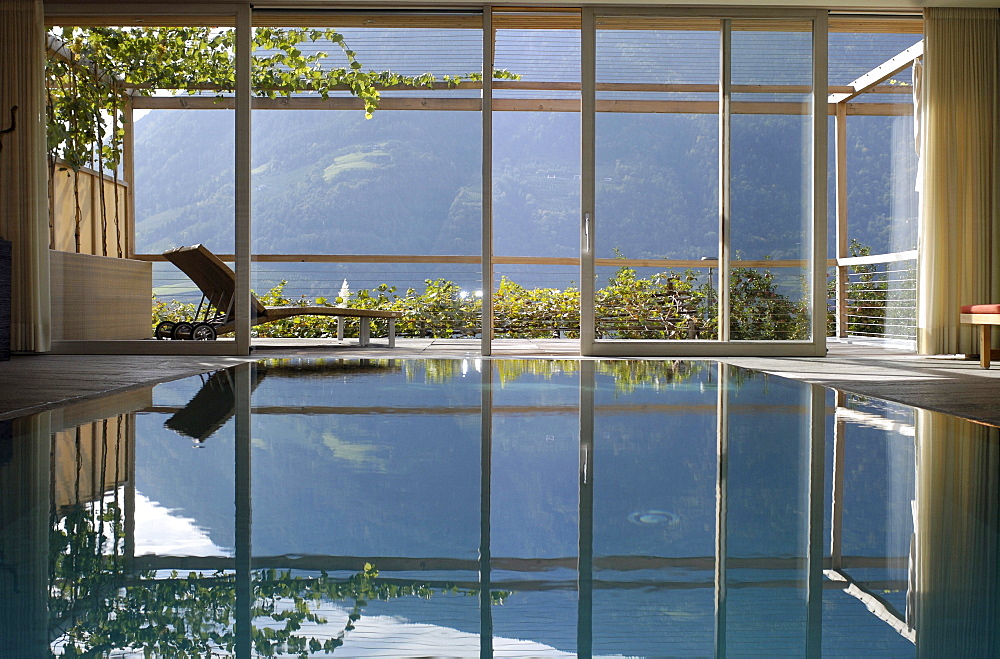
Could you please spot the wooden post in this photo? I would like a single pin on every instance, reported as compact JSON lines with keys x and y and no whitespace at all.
{"x":128,"y":173}
{"x":242,"y":220}
{"x":489,"y":42}
{"x":842,"y":241}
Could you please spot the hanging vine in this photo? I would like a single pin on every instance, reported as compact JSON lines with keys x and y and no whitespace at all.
{"x":82,"y":132}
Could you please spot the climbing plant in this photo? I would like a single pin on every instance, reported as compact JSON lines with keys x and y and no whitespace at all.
{"x":91,"y":73}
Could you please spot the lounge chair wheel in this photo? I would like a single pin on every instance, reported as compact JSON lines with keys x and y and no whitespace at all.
{"x":182,"y":332}
{"x":203,"y":332}
{"x":164,"y":330}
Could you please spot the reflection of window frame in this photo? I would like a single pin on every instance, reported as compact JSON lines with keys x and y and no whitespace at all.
{"x":878,"y":606}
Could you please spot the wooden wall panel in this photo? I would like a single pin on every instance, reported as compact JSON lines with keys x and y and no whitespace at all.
{"x":100,"y":298}
{"x":85,"y":185}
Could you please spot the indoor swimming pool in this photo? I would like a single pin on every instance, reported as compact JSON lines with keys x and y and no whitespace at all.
{"x":489,"y":507}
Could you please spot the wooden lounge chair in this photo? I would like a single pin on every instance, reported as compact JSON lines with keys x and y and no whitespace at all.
{"x":216,"y":314}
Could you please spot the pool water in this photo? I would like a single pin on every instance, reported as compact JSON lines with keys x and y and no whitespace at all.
{"x":498,"y":508}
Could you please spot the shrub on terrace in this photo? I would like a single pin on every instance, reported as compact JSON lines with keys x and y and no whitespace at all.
{"x":667,"y":305}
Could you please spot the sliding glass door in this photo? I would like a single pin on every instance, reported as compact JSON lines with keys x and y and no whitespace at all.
{"x":703,"y":142}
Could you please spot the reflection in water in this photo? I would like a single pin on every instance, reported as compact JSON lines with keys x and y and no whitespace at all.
{"x":956,"y":573}
{"x":654,"y":518}
{"x":616,"y":508}
{"x":211,"y":407}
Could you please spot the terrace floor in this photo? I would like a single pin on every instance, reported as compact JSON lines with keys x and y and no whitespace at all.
{"x":34,"y":383}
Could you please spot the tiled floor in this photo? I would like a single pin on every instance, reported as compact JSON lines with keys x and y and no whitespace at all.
{"x":34,"y":383}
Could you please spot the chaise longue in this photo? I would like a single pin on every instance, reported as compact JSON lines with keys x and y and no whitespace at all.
{"x":216,"y":315}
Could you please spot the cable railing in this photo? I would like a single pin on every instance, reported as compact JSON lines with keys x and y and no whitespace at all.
{"x":878,"y":298}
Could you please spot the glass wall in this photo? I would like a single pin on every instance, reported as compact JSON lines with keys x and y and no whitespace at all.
{"x":771,"y":180}
{"x":362,"y":199}
{"x":695,"y":119}
{"x":656,"y":179}
{"x":536,"y":173}
{"x":876,"y":201}
{"x":182,"y":200}
{"x":703,"y":174}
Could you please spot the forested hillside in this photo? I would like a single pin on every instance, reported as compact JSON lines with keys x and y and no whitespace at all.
{"x":409,"y":183}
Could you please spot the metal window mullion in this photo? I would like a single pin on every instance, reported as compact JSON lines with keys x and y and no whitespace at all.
{"x":819,"y":183}
{"x":588,"y":54}
{"x":725,"y":173}
{"x":243,"y":247}
{"x":489,"y":48}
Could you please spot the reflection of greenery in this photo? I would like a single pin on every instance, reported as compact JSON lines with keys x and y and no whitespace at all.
{"x":324,"y":367}
{"x":79,"y":568}
{"x":631,"y":375}
{"x":435,"y":371}
{"x":98,"y":607}
{"x":509,"y":370}
{"x":628,"y":374}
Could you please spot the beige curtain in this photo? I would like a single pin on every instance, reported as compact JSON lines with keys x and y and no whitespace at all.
{"x":23,"y":191}
{"x":955,"y":592}
{"x":960,"y":201}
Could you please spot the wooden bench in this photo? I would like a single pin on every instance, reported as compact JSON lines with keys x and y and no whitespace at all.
{"x":984,"y":315}
{"x":366,"y":315}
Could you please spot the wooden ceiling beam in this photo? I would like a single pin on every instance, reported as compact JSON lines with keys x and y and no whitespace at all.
{"x":512,"y":105}
{"x":881,"y":73}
